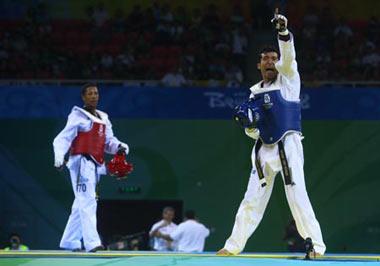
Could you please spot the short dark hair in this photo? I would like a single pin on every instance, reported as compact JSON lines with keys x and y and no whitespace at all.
{"x":168,"y":208}
{"x":86,"y":86}
{"x":190,"y":214}
{"x":268,"y":49}
{"x":13,"y":235}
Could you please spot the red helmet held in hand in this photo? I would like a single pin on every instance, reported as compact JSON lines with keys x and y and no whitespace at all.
{"x":119,"y":167}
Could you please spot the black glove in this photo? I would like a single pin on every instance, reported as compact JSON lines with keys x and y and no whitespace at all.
{"x":280,"y":23}
{"x":121,"y":149}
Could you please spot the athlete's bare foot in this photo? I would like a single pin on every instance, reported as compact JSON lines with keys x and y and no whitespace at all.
{"x":223,"y":252}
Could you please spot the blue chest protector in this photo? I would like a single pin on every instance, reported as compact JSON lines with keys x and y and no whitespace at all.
{"x":274,"y":115}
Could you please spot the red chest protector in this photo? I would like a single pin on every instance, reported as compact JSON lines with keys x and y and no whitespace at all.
{"x":91,"y":142}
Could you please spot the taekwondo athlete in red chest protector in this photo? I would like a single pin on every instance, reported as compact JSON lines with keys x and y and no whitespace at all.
{"x":86,"y":136}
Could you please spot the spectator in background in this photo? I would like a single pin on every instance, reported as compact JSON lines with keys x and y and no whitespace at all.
{"x":181,"y":16}
{"x":211,"y":18}
{"x":174,"y":78}
{"x":237,"y":17}
{"x":100,"y":15}
{"x":166,"y":14}
{"x":216,"y":66}
{"x":326,"y":21}
{"x":43,"y":47}
{"x":125,"y":61}
{"x":38,"y":18}
{"x":373,"y":29}
{"x":309,"y":31}
{"x":190,"y":235}
{"x":135,"y":19}
{"x":239,"y":46}
{"x":311,"y":17}
{"x":222,"y":46}
{"x":234,"y":76}
{"x":165,"y":28}
{"x":165,"y":226}
{"x":214,"y":80}
{"x":176,"y":31}
{"x":106,"y":61}
{"x":119,"y":23}
{"x":370,"y":62}
{"x":187,"y":61}
{"x":196,"y":18}
{"x":343,"y":29}
{"x":98,"y":44}
{"x":260,"y":13}
{"x":149,"y":21}
{"x":43,"y":18}
{"x":163,"y":33}
{"x":15,"y":243}
{"x":156,"y":10}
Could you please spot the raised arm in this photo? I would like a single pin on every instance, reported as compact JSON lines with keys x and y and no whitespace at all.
{"x":287,"y":64}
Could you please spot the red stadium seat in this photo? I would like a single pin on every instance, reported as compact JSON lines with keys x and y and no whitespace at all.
{"x":43,"y":74}
{"x":157,"y":63}
{"x":85,"y":38}
{"x":73,"y":36}
{"x":9,"y":25}
{"x":59,"y":25}
{"x":99,"y":49}
{"x":81,"y":49}
{"x":79,"y":25}
{"x":27,"y":75}
{"x":133,"y":36}
{"x":174,"y":51}
{"x":106,"y":74}
{"x":172,"y":62}
{"x":114,"y":49}
{"x":161,"y":51}
{"x":148,"y":36}
{"x":119,"y":39}
{"x":58,"y":38}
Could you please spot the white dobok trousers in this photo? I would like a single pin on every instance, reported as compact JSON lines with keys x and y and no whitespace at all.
{"x":256,"y":198}
{"x":82,"y":220}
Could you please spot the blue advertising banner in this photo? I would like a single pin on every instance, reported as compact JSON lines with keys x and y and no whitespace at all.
{"x":328,"y":103}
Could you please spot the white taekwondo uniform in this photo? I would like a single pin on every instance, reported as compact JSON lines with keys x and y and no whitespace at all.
{"x":256,"y":198}
{"x":85,"y":174}
{"x":190,"y":236}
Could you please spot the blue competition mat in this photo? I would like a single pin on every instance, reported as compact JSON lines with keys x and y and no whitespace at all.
{"x":114,"y":258}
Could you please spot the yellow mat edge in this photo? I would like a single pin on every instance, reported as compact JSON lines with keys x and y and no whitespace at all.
{"x":106,"y":254}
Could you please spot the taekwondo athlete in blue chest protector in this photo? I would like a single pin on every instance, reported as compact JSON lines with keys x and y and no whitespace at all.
{"x":87,"y":135}
{"x":272,"y":117}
